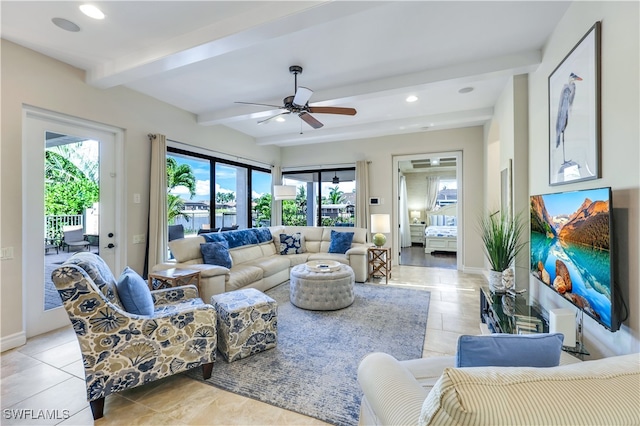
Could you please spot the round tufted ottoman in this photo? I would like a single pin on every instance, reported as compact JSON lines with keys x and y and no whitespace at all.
{"x":322,"y":291}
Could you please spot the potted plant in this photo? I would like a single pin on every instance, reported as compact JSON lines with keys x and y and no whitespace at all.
{"x":500,"y":236}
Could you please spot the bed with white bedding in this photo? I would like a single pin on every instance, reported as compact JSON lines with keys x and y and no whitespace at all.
{"x":441,"y":233}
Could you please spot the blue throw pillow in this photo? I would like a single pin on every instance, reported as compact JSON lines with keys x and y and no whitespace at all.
{"x":340,"y":242}
{"x":263,"y":234}
{"x":216,"y":253}
{"x":134,"y":293}
{"x":291,"y":244}
{"x":510,"y":350}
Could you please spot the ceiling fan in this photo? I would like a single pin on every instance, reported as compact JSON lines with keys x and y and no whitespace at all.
{"x":299,"y":104}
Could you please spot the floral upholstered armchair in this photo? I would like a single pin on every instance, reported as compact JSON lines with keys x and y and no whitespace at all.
{"x":121,"y":350}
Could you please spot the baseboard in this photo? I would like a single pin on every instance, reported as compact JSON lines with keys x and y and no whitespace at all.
{"x":470,"y":270}
{"x":13,"y":341}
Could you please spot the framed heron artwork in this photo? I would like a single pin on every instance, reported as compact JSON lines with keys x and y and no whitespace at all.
{"x":574,"y":113}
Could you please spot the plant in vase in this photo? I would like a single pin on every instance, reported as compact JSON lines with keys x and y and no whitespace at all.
{"x":501,"y":243}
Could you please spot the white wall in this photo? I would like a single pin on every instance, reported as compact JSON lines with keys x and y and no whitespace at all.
{"x":380,"y":152}
{"x":29,"y":78}
{"x":620,"y":149}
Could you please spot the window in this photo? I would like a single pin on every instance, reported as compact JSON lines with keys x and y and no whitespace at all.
{"x":324,"y":198}
{"x":447,"y":192}
{"x":196,"y":182}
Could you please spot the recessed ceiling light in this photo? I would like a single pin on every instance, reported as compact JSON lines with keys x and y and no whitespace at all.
{"x":411,"y":98}
{"x":91,"y":11}
{"x":65,"y":24}
{"x":465,"y":90}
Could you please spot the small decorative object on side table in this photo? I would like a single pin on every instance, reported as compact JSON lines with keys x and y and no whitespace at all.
{"x":174,"y":277}
{"x":379,"y":262}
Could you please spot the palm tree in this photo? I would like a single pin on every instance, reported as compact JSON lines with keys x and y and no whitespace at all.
{"x":335,"y":195}
{"x":178,"y":175}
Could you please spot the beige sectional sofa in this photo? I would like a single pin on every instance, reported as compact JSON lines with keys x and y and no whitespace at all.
{"x":430,"y":391}
{"x":261,"y":265}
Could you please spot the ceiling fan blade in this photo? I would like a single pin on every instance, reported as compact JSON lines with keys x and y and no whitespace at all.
{"x":332,"y":110}
{"x":302,"y":96}
{"x":272,"y":117}
{"x":253,"y":103}
{"x":308,"y":118}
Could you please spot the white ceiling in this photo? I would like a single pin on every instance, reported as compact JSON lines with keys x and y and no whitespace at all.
{"x":203,"y":56}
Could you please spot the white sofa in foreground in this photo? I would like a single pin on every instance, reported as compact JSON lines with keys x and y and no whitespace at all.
{"x":430,"y":391}
{"x":256,"y":259}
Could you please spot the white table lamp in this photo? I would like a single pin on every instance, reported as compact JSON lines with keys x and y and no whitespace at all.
{"x":415,"y":215}
{"x":380,"y":224}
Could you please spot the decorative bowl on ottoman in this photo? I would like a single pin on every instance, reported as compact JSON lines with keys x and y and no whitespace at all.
{"x":327,"y":290}
{"x":247,"y":323}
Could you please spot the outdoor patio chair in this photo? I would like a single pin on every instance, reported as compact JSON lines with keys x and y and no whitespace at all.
{"x":74,"y":238}
{"x":122,"y":350}
{"x":51,"y":243}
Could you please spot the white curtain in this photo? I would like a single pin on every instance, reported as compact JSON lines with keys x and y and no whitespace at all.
{"x":405,"y":229}
{"x":158,"y":231}
{"x":433,"y":182}
{"x":362,"y":194}
{"x":276,"y":206}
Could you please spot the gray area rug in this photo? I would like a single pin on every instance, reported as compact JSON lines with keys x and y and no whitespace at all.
{"x":313,"y":369}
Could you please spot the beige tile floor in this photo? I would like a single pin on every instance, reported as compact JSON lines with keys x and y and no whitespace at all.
{"x":47,"y":373}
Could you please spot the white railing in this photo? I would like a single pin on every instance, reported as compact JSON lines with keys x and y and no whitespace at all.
{"x":53,"y":224}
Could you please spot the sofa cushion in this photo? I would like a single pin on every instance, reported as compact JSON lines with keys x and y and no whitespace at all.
{"x":134,"y":293}
{"x":329,"y":256}
{"x":510,"y":350}
{"x":292,"y":243}
{"x":246,"y":254}
{"x":243,"y":275}
{"x":216,"y":253}
{"x":297,"y":259}
{"x":603,"y":391}
{"x":340,"y":242}
{"x":185,"y":249}
{"x":271,"y":265}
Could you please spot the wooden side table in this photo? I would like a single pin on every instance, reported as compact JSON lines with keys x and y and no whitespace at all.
{"x":174,"y":277}
{"x":379,"y":262}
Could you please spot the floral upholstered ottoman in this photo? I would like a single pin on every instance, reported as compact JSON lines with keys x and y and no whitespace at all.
{"x":247,"y":323}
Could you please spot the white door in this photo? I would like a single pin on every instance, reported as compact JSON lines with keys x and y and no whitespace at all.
{"x":43,"y":308}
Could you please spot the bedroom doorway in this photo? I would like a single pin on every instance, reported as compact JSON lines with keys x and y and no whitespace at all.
{"x":429,"y":191}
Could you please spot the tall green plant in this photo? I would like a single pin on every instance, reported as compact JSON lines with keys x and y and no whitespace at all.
{"x":501,"y":238}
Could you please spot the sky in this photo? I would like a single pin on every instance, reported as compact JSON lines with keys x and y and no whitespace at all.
{"x":568,"y":202}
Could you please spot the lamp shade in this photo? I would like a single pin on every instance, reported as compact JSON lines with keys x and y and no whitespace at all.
{"x":415,"y":214}
{"x":380,"y":223}
{"x":284,"y":192}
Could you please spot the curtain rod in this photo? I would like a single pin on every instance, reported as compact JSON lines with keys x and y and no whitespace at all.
{"x":320,"y":166}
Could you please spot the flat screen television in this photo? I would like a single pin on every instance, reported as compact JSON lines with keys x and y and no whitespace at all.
{"x":572,"y":250}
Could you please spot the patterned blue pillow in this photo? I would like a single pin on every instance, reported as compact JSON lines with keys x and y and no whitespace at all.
{"x":292,"y":244}
{"x":510,"y":350}
{"x":134,"y":293}
{"x":216,"y":253}
{"x":340,"y":242}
